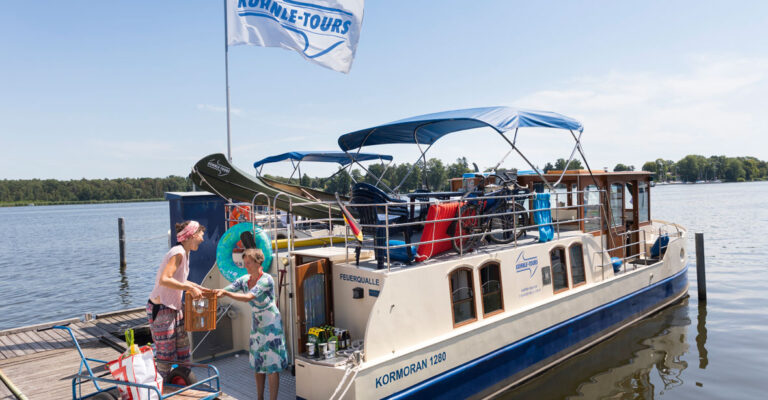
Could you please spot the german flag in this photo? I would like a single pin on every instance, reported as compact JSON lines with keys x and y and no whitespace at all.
{"x":350,"y":220}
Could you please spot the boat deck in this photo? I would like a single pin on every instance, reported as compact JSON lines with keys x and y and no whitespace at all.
{"x":238,"y":382}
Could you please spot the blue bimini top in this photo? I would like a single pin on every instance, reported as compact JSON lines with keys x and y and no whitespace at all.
{"x":426,"y":129}
{"x":339,"y":157}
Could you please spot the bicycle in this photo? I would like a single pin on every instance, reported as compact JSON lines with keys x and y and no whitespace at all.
{"x":499,"y":216}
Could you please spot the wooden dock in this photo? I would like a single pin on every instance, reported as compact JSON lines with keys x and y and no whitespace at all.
{"x":41,"y":364}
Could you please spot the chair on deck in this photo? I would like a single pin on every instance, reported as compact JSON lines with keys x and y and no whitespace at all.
{"x":365,"y":193}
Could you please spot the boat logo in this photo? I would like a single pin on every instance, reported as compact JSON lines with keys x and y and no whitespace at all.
{"x":530,"y":264}
{"x":221,"y":169}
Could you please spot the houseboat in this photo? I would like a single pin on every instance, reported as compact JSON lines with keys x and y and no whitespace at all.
{"x":466,"y":293}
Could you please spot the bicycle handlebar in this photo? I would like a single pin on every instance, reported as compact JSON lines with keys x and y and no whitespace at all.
{"x":52,"y":327}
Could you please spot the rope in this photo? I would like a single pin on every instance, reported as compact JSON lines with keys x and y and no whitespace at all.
{"x":352,"y":364}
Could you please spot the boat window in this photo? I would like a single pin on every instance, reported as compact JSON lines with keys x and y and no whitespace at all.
{"x":462,"y":297}
{"x":617,"y":203}
{"x":591,"y":209}
{"x":559,"y":196}
{"x":314,"y":300}
{"x":559,"y":269}
{"x":628,"y":198}
{"x":490,"y":283}
{"x":642,"y":200}
{"x":578,"y":277}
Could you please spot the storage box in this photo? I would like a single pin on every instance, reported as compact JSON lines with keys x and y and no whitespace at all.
{"x":200,"y":314}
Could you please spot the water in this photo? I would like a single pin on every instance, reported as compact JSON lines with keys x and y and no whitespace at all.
{"x":717,"y":350}
{"x":61,"y":261}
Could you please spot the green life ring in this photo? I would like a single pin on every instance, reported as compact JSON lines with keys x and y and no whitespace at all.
{"x":227,"y":244}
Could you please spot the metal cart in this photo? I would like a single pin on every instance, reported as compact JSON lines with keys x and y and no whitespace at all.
{"x":96,"y":372}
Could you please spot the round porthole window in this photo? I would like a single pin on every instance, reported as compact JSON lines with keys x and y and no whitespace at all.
{"x":682,"y":254}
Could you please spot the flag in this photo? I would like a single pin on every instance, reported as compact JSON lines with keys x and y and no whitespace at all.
{"x":354,"y":226}
{"x":324,"y":32}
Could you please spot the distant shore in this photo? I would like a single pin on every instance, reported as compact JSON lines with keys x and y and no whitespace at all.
{"x":62,"y":203}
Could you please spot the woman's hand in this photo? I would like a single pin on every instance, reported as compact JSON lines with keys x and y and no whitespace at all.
{"x":195,"y":292}
{"x":219,"y":292}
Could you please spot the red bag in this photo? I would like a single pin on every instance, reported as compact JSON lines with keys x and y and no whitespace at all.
{"x":138,"y":368}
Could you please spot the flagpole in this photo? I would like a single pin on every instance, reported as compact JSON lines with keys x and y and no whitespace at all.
{"x":226,"y":79}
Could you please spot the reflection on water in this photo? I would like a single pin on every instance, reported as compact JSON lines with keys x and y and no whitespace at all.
{"x":701,"y":336}
{"x":639,"y":362}
{"x":124,"y":290}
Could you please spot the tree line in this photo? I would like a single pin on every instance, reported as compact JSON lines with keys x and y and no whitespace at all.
{"x":405,"y":177}
{"x":51,"y":191}
{"x":692,"y":168}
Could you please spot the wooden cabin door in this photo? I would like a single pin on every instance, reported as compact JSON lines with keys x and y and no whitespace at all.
{"x":314,"y":301}
{"x":614,"y":207}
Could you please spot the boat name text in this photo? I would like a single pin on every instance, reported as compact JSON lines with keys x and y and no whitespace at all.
{"x":411,"y":369}
{"x":360,"y":279}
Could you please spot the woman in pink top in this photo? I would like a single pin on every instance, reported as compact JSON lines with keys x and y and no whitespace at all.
{"x":164,"y":310}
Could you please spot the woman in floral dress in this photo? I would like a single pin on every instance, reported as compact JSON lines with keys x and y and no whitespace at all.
{"x":267,"y":341}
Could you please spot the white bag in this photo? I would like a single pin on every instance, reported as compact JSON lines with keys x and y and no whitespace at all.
{"x":138,"y":368}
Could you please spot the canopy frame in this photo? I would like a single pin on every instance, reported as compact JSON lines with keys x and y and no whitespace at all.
{"x":501,"y":119}
{"x":332,"y":157}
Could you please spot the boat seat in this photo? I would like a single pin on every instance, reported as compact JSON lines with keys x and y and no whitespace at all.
{"x":365,"y":193}
{"x":437,"y":230}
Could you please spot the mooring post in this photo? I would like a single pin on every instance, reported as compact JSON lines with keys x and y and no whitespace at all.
{"x":121,"y":240}
{"x":700,"y":275}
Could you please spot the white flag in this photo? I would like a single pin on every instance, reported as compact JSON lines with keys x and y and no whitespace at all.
{"x":322,"y":31}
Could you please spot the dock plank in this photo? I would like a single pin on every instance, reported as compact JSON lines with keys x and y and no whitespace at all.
{"x":20,"y":344}
{"x":28,"y":341}
{"x":45,"y":375}
{"x":9,"y":345}
{"x":38,"y":340}
{"x":62,"y":336}
{"x":56,"y":341}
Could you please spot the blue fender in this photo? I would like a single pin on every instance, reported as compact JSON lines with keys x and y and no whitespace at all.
{"x":227,"y":244}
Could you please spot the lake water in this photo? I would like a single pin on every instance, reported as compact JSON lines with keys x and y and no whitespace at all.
{"x":58,"y":262}
{"x":717,"y":350}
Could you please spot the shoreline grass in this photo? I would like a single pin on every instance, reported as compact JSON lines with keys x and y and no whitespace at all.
{"x":60,"y":203}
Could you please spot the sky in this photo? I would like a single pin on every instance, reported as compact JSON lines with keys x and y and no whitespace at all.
{"x":99,"y":89}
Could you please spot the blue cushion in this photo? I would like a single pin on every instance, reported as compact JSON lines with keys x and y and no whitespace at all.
{"x":660,"y":246}
{"x":400,"y":253}
{"x":543,"y":217}
{"x":616,"y":262}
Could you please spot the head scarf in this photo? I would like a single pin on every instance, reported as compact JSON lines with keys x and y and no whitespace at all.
{"x":188,"y":231}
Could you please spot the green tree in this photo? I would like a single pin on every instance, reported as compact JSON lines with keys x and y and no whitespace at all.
{"x":622,"y":167}
{"x":573,"y":165}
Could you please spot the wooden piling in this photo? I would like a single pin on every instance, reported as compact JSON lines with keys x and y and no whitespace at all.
{"x":121,"y":240}
{"x":700,"y":273}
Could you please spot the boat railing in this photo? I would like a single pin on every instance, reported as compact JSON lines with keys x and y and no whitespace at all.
{"x":634,"y":259}
{"x":379,"y":235}
{"x":387,"y":229}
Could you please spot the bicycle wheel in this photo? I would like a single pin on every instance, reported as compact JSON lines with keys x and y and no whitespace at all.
{"x":508,"y":227}
{"x":469,"y":226}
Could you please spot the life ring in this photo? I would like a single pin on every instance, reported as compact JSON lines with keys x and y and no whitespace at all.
{"x":227,"y":244}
